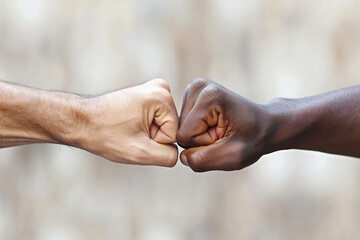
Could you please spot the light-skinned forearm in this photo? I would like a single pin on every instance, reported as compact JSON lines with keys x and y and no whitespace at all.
{"x":328,"y":122}
{"x":30,"y":115}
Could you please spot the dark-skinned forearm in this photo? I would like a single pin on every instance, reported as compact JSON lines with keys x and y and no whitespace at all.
{"x":328,"y":122}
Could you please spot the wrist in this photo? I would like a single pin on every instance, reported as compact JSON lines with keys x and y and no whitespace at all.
{"x":291,"y":120}
{"x":90,"y":120}
{"x":71,"y":120}
{"x":282,"y":125}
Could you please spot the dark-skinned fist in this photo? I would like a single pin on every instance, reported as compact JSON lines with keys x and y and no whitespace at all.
{"x":219,"y":129}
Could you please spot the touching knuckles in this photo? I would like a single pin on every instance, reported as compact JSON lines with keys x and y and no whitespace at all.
{"x":204,"y":106}
{"x":201,"y":97}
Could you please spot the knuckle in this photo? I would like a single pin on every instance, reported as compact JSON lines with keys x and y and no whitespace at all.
{"x":200,"y":82}
{"x":279,"y":100}
{"x":161,"y":95}
{"x":197,"y":84}
{"x":210,"y":94}
{"x":163,"y":83}
{"x":160,"y":80}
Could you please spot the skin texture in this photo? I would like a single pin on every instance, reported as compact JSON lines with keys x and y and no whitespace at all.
{"x":221,"y":130}
{"x":136,"y":125}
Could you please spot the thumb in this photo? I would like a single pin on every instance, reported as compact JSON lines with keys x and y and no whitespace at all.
{"x":164,"y":155}
{"x":217,"y":156}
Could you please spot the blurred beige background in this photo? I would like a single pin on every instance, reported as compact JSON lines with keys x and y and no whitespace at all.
{"x":259,"y":49}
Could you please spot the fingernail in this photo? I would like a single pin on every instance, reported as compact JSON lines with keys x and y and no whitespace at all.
{"x":183,"y":159}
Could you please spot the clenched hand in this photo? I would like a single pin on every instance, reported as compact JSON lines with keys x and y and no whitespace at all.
{"x":136,"y":125}
{"x":219,"y":129}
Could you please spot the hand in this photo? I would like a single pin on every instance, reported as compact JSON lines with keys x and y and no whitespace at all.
{"x":219,"y":129}
{"x":136,"y":125}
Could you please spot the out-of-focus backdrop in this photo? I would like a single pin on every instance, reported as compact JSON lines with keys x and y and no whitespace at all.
{"x":259,"y":49}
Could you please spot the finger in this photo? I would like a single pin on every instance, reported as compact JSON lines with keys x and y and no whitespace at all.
{"x":204,"y":125}
{"x":165,"y":155}
{"x":166,"y":119}
{"x":154,"y":129}
{"x":218,"y":156}
{"x":191,"y":94}
{"x":159,"y":82}
{"x":184,"y":102}
{"x":194,"y":125}
{"x":205,"y":138}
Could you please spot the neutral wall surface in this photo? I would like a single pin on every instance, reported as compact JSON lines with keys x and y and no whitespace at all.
{"x":259,"y":49}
